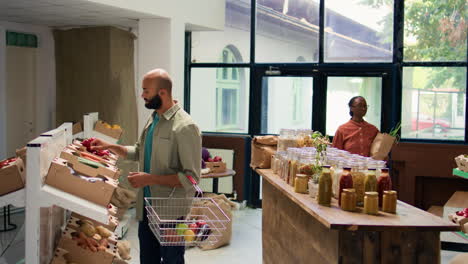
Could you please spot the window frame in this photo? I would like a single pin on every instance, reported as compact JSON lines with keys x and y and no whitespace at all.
{"x":391,"y":110}
{"x":392,"y":89}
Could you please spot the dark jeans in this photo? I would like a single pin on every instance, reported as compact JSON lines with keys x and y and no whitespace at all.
{"x":151,"y":252}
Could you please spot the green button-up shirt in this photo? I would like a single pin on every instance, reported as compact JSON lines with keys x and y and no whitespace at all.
{"x":176,"y":150}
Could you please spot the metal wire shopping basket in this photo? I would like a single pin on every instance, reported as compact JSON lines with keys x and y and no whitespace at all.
{"x":190,"y":221}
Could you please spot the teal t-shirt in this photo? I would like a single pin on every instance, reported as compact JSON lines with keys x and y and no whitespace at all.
{"x":148,"y":152}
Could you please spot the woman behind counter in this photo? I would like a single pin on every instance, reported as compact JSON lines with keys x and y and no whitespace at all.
{"x":356,"y":135}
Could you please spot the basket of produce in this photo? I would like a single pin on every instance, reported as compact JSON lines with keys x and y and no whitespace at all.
{"x":186,"y":221}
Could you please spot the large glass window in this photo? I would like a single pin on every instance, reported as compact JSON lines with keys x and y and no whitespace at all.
{"x":341,"y":89}
{"x":207,"y":44}
{"x":287,"y":30}
{"x":219,"y":98}
{"x":358,"y":31}
{"x":287,"y":104}
{"x":434,"y":103}
{"x":435,"y":30}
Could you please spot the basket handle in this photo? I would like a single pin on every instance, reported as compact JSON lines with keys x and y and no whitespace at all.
{"x":199,"y":192}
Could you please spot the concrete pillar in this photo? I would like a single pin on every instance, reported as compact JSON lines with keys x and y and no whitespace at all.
{"x":3,"y":112}
{"x":160,"y":45}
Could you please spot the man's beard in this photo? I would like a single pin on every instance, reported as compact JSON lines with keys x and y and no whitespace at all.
{"x":154,"y":103}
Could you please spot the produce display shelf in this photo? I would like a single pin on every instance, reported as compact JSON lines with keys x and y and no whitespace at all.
{"x":54,"y":196}
{"x":89,"y":121}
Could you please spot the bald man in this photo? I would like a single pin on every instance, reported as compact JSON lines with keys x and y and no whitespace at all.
{"x":168,"y":150}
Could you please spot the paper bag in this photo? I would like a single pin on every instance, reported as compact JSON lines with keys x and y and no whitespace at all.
{"x":262,"y":149}
{"x":224,"y":236}
{"x":381,"y":146}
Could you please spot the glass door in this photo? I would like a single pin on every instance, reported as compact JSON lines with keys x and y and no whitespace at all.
{"x":287,"y":103}
{"x":340,"y":89}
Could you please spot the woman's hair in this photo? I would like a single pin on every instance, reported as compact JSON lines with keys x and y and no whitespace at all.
{"x":351,"y":101}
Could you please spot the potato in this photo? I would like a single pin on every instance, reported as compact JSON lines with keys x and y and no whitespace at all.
{"x":97,"y":237}
{"x":103,"y":232}
{"x":123,"y":248}
{"x":88,"y":229}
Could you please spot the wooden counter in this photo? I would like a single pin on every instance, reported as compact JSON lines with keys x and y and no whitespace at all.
{"x":298,"y":230}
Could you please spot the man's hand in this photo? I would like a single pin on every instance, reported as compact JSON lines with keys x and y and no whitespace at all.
{"x":98,"y":144}
{"x":139,"y":179}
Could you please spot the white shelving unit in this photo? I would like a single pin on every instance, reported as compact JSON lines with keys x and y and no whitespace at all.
{"x":89,"y":121}
{"x":40,"y":152}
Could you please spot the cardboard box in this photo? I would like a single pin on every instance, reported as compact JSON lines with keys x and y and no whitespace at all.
{"x":112,"y":209}
{"x":77,"y":128}
{"x":73,"y":157}
{"x":12,"y":176}
{"x":121,"y":212}
{"x":82,"y":151}
{"x":21,"y":153}
{"x":98,"y":191}
{"x":78,"y":254}
{"x":73,"y":223}
{"x":112,"y":225}
{"x":216,"y":167}
{"x":112,"y":158}
{"x":111,"y":132}
{"x":60,"y":256}
{"x":460,"y":220}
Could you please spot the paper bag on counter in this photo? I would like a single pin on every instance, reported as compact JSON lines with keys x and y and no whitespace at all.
{"x":262,"y":149}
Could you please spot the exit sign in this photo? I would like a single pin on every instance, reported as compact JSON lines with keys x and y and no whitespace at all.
{"x":21,"y":39}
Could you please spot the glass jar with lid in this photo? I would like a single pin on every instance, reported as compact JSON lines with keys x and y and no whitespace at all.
{"x":276,"y":162}
{"x":384,"y":183}
{"x":287,"y":139}
{"x":304,"y":138}
{"x":293,"y":156}
{"x":306,"y":163}
{"x":358,"y":175}
{"x":371,"y":203}
{"x":379,"y":165}
{"x":348,"y":200}
{"x":336,"y":170}
{"x":345,"y":182}
{"x":325,"y":187}
{"x":283,"y":164}
{"x":370,"y":182}
{"x":300,"y":183}
{"x":313,"y":187}
{"x":389,"y":201}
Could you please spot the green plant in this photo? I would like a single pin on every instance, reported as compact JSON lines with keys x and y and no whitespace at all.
{"x":320,"y":142}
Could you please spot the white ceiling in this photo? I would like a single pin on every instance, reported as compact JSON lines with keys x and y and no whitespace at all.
{"x":67,"y":13}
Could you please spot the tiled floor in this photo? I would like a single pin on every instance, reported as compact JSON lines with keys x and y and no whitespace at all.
{"x":245,"y":246}
{"x":12,"y":242}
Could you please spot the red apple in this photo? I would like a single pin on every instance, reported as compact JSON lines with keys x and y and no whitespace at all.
{"x":193,"y":227}
{"x":201,"y":223}
{"x":217,"y":159}
{"x":459,"y":213}
{"x":210,"y":160}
